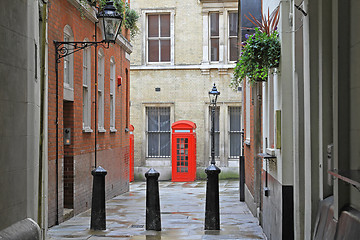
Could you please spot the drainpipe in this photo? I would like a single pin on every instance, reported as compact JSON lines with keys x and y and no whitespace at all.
{"x":43,"y":19}
{"x":57,"y":137}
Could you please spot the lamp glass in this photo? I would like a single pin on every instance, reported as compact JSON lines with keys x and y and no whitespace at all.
{"x":110,"y":22}
{"x":213,"y":94}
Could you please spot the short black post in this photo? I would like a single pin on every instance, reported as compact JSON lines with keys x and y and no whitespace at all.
{"x":98,"y":214}
{"x":153,"y":219}
{"x":212,"y":213}
{"x":242,"y":178}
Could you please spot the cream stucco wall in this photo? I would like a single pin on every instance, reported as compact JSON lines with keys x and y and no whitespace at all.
{"x":184,"y":83}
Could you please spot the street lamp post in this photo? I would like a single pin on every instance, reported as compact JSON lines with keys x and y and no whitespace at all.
{"x":110,"y":23}
{"x":212,"y":215}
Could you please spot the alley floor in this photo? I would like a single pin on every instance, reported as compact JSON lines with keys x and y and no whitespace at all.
{"x":182,"y":215}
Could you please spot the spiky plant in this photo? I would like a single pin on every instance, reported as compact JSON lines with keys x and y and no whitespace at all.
{"x":260,"y":52}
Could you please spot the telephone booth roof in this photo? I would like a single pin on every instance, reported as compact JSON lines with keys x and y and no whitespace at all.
{"x":183,"y":124}
{"x":131,"y":127}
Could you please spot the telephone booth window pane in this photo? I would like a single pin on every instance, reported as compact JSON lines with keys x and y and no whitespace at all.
{"x":182,"y":151}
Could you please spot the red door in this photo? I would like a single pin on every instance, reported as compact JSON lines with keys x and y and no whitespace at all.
{"x":131,"y":154}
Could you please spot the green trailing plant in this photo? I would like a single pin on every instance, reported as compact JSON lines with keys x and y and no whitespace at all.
{"x":131,"y":18}
{"x":260,"y":52}
{"x":119,"y":5}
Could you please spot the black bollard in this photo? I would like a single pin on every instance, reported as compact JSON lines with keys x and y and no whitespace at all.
{"x":212,"y":213}
{"x":153,"y":220}
{"x":242,"y":178}
{"x":98,"y":214}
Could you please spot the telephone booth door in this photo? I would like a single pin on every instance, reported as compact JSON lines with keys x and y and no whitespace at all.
{"x":183,"y":151}
{"x":131,"y":154}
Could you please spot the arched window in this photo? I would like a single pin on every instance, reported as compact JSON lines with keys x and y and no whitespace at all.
{"x":68,"y":67}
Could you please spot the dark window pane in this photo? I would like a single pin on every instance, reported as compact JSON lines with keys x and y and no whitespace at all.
{"x":214,"y":24}
{"x":233,"y":49}
{"x":214,"y":49}
{"x":164,"y":144}
{"x":164,"y":119}
{"x":233,"y":24}
{"x":165,"y":50}
{"x":217,"y":112}
{"x":165,"y":25}
{"x":153,"y":144}
{"x":153,"y":124}
{"x":153,"y":25}
{"x":235,"y":119}
{"x":217,"y":141}
{"x":235,"y":144}
{"x":153,"y":50}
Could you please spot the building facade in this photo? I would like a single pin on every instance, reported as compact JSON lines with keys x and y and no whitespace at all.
{"x":79,"y":130}
{"x":309,"y":134}
{"x":183,"y":48}
{"x":23,"y":123}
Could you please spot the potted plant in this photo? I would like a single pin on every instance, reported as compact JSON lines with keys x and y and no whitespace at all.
{"x":260,"y":52}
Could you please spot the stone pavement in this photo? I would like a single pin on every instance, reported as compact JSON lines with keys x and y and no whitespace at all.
{"x":182,"y":215}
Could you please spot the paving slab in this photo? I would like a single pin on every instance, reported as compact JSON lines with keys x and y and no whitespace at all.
{"x":182,"y":215}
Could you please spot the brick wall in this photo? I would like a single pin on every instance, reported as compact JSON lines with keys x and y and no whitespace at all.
{"x":76,"y":161}
{"x":249,"y":148}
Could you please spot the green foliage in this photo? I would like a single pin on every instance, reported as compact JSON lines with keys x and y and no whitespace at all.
{"x":119,"y":5}
{"x":131,"y":18}
{"x":260,"y":53}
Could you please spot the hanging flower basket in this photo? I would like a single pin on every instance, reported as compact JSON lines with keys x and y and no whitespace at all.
{"x":260,"y":52}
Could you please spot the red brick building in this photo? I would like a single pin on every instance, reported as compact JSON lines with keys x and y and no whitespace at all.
{"x":70,"y":183}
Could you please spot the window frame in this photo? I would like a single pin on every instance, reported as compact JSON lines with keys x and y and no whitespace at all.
{"x":214,"y":37}
{"x":224,"y":52}
{"x":100,"y":90}
{"x":68,"y":66}
{"x":146,"y":13}
{"x":217,"y":132}
{"x":112,"y":95}
{"x":230,"y":132}
{"x":247,"y":109}
{"x":86,"y":85}
{"x":158,"y":131}
{"x":229,"y":37}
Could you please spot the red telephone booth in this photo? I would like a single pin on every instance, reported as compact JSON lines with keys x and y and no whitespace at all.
{"x":131,"y":154}
{"x":183,"y":151}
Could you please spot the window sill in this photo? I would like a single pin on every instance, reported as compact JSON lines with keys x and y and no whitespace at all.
{"x":101,"y":130}
{"x":270,"y":151}
{"x":113,"y":130}
{"x":87,"y":130}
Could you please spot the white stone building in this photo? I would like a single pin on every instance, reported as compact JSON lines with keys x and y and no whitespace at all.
{"x":310,"y":122}
{"x":183,"y":48}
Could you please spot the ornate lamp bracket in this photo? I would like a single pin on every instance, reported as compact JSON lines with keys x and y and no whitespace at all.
{"x":64,"y":49}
